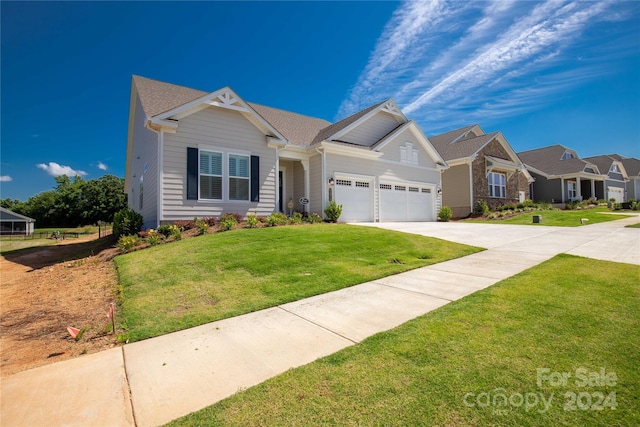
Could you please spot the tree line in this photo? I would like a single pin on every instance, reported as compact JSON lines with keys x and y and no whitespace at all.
{"x":73,"y":202}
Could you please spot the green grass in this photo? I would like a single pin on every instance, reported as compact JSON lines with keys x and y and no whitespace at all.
{"x":633,"y":225}
{"x":206,"y":278}
{"x":566,"y":314}
{"x":560,"y":218}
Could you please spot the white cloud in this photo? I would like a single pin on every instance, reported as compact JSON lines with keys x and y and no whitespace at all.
{"x":5,"y":178}
{"x":54,"y":169}
{"x":450,"y":61}
{"x":102,"y":166}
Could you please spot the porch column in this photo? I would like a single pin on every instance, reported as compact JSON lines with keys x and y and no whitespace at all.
{"x":578,"y":189}
{"x":562,"y":188}
{"x":593,"y":188}
{"x":305,"y":166}
{"x":278,"y":195}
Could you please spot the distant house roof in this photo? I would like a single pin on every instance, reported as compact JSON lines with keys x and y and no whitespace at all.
{"x":159,"y":97}
{"x":549,"y":160}
{"x":604,"y":163}
{"x":7,"y":215}
{"x":632,"y":166}
{"x":461,"y":143}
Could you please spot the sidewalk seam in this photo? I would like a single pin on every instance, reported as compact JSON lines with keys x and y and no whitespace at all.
{"x":318,"y":325}
{"x":128,"y":385}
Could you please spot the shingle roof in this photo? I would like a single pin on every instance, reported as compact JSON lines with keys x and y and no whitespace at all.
{"x":548,"y":160}
{"x":297,"y":128}
{"x":632,"y":166}
{"x":461,"y":148}
{"x":158,"y":97}
{"x":603,"y":162}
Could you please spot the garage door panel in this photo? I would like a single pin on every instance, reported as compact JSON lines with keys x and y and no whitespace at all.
{"x":615,"y":193}
{"x":355,"y":196}
{"x":405,"y":202}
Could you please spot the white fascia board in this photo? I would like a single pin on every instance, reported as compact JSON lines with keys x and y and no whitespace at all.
{"x":366,"y":117}
{"x":329,"y":147}
{"x":273,"y":142}
{"x":133,"y":103}
{"x":460,"y":161}
{"x":294,"y":152}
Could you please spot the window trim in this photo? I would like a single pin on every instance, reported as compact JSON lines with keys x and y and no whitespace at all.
{"x":225,"y":177}
{"x":247,"y":178}
{"x":502,"y":188}
{"x":200,"y":174}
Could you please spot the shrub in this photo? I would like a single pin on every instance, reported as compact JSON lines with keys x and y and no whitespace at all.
{"x":185,"y":225}
{"x":528,"y":203}
{"x":165,"y":230}
{"x":481,"y":207}
{"x":445,"y":213}
{"x":572,"y":205}
{"x":636,"y":206}
{"x":201,"y":226}
{"x":227,"y":222}
{"x":153,"y":237}
{"x":602,"y":202}
{"x":126,"y":222}
{"x":126,"y":243}
{"x":236,"y":216}
{"x":296,"y":218}
{"x":333,"y":211}
{"x":211,"y":221}
{"x":252,"y":220}
{"x":277,"y":218}
{"x":314,"y":218}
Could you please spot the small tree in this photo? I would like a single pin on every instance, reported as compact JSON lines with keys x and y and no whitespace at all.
{"x":445,"y":213}
{"x":333,"y":211}
{"x":126,"y":222}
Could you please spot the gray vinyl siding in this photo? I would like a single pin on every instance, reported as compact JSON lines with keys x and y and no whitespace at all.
{"x":145,"y":153}
{"x":372,"y":130}
{"x":633,"y":188}
{"x":545,"y":190}
{"x":315,"y":187}
{"x":456,"y":191}
{"x":392,"y":149}
{"x":370,"y":167}
{"x":220,"y":129}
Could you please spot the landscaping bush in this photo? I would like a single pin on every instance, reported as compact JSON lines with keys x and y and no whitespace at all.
{"x":528,"y":203}
{"x":185,"y":225}
{"x":333,"y":211}
{"x":227,"y":222}
{"x":572,"y":205}
{"x":314,"y":218}
{"x":445,"y":213}
{"x":201,"y":226}
{"x":126,"y":222}
{"x":507,"y":207}
{"x":165,"y":230}
{"x":236,"y":216}
{"x":252,"y":220}
{"x":277,"y":218}
{"x":126,"y":243}
{"x":153,"y":237}
{"x":296,"y":218}
{"x":481,"y":207}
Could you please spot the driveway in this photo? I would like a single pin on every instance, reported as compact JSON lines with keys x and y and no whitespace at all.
{"x":609,"y":241}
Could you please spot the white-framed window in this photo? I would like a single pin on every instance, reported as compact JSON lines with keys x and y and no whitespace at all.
{"x":614,"y":168}
{"x":571,"y":190}
{"x":497,"y":185}
{"x":239,"y":177}
{"x":210,"y":175}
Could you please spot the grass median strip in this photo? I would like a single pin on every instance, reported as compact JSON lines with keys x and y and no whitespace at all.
{"x":561,"y":218}
{"x":554,"y":345}
{"x":212,"y":277}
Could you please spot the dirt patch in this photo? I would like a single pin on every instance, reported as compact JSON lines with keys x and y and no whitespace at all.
{"x":45,"y":290}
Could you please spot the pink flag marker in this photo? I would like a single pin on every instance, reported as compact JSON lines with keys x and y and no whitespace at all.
{"x":73,"y":332}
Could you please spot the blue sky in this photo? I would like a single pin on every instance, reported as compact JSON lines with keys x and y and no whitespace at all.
{"x":541,"y":72}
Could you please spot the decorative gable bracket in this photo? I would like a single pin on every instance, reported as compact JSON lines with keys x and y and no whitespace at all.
{"x":391,"y":108}
{"x":226,"y":99}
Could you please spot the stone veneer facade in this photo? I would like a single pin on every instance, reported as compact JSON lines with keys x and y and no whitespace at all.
{"x":516,"y":181}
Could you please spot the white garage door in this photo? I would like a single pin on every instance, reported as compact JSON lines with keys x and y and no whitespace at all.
{"x":615,"y":193}
{"x":356,"y":197}
{"x":406,"y":202}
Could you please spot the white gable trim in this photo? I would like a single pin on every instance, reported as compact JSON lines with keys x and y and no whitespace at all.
{"x":420,"y":137}
{"x":329,"y":147}
{"x":388,"y":106}
{"x":222,"y":98}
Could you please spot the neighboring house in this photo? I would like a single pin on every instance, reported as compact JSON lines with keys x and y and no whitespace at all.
{"x":200,"y":154}
{"x":632,"y":167}
{"x":615,"y":184}
{"x":12,"y":223}
{"x":481,"y":167}
{"x":561,"y":176}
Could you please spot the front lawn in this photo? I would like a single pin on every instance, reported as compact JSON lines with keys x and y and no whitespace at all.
{"x":555,"y":345}
{"x":634,"y":225}
{"x":212,"y":277}
{"x":562,"y":218}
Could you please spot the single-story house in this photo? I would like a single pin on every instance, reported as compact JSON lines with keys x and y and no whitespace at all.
{"x":192,"y":153}
{"x":481,"y":167}
{"x":561,"y":176}
{"x":12,"y":223}
{"x":616,"y":181}
{"x":632,"y":168}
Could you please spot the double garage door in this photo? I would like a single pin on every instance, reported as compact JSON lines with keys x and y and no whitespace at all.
{"x":396,"y":201}
{"x":615,"y":193}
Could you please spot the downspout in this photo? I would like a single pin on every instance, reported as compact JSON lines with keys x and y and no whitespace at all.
{"x":275,"y":206}
{"x":160,"y":175}
{"x":323,"y":175}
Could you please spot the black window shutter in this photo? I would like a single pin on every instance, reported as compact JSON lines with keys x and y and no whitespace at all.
{"x":192,"y":173}
{"x":255,"y":178}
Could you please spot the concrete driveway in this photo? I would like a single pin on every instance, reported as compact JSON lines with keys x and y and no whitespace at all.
{"x":609,"y":241}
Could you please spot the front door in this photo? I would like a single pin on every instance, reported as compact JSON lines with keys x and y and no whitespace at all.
{"x":280,"y":207}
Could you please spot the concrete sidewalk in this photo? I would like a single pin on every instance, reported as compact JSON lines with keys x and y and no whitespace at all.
{"x":151,"y":382}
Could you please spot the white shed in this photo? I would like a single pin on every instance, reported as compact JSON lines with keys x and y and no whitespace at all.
{"x":12,"y":223}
